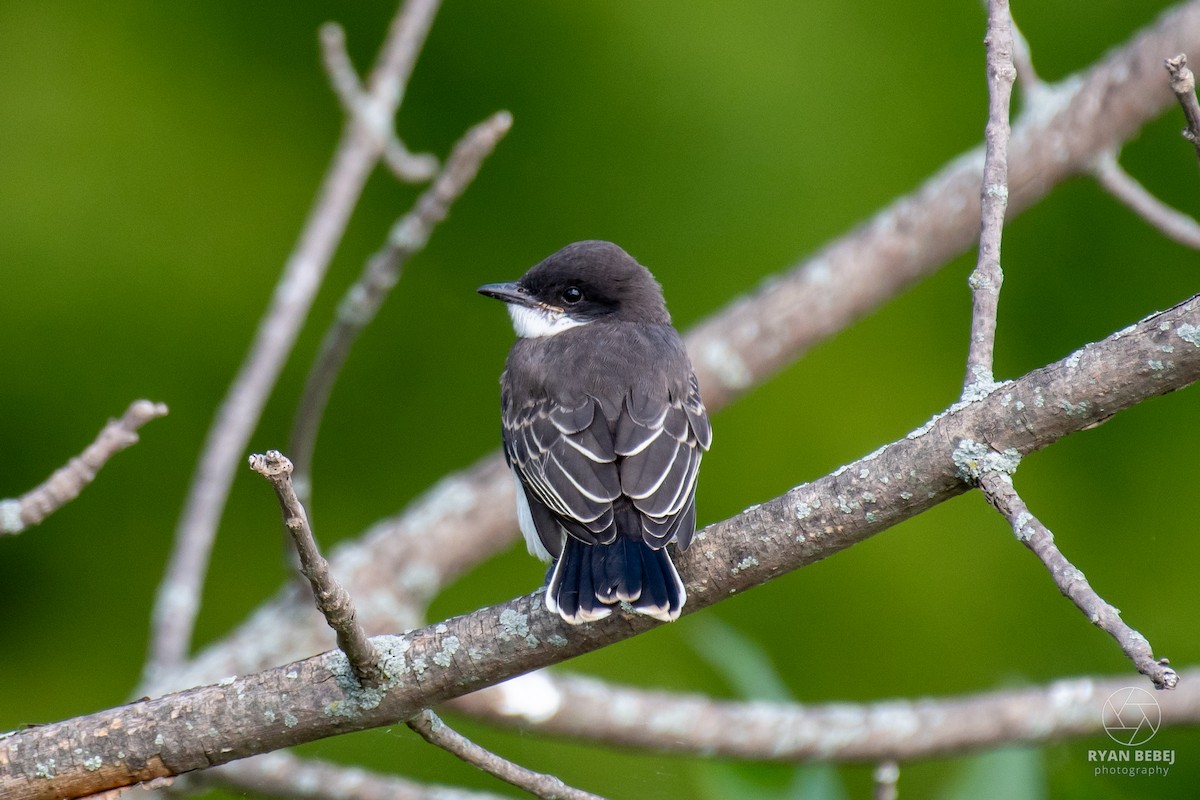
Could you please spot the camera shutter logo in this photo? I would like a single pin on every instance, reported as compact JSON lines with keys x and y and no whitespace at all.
{"x":1131,"y":716}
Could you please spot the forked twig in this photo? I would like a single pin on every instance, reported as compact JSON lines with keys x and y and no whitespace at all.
{"x":382,"y":271}
{"x":178,"y":600}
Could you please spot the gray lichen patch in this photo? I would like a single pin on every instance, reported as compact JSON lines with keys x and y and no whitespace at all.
{"x":513,"y":625}
{"x":848,"y":505}
{"x":805,"y":508}
{"x":394,"y":666}
{"x":973,"y":460}
{"x":445,"y":655}
{"x":1189,"y":333}
{"x":1079,"y":409}
{"x":744,"y":564}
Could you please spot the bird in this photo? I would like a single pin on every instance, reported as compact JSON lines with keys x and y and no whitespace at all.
{"x":603,"y":429}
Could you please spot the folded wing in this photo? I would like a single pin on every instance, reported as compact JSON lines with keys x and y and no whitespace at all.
{"x":565,"y":459}
{"x":660,"y":440}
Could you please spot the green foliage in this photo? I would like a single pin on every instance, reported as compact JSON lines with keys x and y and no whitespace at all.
{"x":158,"y":161}
{"x":998,"y":775}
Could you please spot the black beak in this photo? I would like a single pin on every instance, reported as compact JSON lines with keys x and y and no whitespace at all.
{"x":511,"y":292}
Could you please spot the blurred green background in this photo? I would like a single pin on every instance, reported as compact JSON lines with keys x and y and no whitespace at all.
{"x":156,"y":164}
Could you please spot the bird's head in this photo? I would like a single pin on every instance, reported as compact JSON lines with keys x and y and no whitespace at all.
{"x":583,"y":283}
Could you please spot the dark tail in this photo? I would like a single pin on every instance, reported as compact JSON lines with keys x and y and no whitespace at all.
{"x":588,"y":580}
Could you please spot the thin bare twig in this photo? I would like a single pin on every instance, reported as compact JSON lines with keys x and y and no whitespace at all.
{"x":1183,"y":84}
{"x":887,"y":776}
{"x":432,"y":729}
{"x":1022,"y":56}
{"x":1173,"y":224}
{"x":407,"y":166}
{"x":67,"y":482}
{"x":985,"y":281}
{"x":333,"y":601}
{"x":998,"y":489}
{"x":178,"y":600}
{"x":363,"y":300}
{"x":283,"y":775}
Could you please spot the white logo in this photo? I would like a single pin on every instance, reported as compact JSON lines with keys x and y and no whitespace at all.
{"x":1131,"y":716}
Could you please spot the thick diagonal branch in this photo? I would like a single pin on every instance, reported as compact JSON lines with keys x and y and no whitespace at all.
{"x":397,"y":565}
{"x":319,"y":696}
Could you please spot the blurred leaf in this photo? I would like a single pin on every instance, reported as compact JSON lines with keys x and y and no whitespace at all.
{"x":818,"y":781}
{"x":999,"y":775}
{"x":737,"y":658}
{"x":748,"y":782}
{"x":750,"y":672}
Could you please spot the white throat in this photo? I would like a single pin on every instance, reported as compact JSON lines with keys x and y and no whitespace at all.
{"x":532,"y":323}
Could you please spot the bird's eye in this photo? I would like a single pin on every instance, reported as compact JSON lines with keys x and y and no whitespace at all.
{"x":572,"y":295}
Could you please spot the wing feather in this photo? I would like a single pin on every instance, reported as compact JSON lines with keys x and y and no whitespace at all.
{"x":661,"y":442}
{"x":564,"y":457}
{"x":577,"y":466}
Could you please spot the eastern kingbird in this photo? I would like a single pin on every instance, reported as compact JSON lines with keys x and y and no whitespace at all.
{"x":603,"y":429}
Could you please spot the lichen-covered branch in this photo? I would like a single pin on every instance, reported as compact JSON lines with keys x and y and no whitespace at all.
{"x":67,"y":482}
{"x":319,"y":696}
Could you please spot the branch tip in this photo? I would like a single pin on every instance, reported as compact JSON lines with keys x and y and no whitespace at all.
{"x":1071,"y":582}
{"x":1171,"y":223}
{"x":1183,"y":84}
{"x":271,"y":464}
{"x":332,"y":599}
{"x":69,"y":481}
{"x":362,"y":301}
{"x":332,"y":35}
